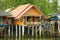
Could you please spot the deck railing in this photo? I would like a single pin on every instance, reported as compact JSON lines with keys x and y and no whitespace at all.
{"x":35,"y":23}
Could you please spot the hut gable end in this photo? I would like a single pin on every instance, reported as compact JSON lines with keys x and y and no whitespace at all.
{"x":32,"y":12}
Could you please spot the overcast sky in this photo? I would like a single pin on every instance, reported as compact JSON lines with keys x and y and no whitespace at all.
{"x":58,"y":2}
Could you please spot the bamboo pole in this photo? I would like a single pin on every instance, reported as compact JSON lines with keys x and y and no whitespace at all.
{"x":32,"y":30}
{"x":53,"y":28}
{"x":32,"y":26}
{"x":36,"y":31}
{"x":58,"y":27}
{"x":1,"y":32}
{"x":23,"y":30}
{"x":16,"y":30}
{"x":9,"y":31}
{"x":5,"y":33}
{"x":23,"y":27}
{"x":12,"y":30}
{"x":40,"y":27}
{"x":19,"y":31}
{"x":28,"y":30}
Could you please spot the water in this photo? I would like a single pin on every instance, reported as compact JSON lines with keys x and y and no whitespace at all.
{"x":29,"y":38}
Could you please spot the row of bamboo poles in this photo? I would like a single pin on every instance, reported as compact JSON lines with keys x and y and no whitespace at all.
{"x":26,"y":31}
{"x":20,"y":31}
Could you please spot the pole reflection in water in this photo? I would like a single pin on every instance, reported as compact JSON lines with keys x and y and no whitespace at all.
{"x":32,"y":38}
{"x":11,"y":38}
{"x":19,"y":38}
{"x":36,"y":38}
{"x":16,"y":39}
{"x":56,"y":39}
{"x":29,"y":38}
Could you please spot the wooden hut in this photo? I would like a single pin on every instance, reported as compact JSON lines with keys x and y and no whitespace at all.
{"x":4,"y":18}
{"x":4,"y":21}
{"x":27,"y":15}
{"x":23,"y":11}
{"x":53,"y":19}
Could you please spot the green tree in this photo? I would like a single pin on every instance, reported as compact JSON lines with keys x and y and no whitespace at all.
{"x":44,"y":5}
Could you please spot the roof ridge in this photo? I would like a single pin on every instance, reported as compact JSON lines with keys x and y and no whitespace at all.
{"x":24,"y":9}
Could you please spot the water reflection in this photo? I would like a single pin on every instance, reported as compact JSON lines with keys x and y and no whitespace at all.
{"x":56,"y":38}
{"x":29,"y":38}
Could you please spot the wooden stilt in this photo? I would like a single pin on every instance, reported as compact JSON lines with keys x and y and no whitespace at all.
{"x":12,"y":30}
{"x":19,"y":31}
{"x":32,"y":30}
{"x":16,"y":30}
{"x":23,"y":30}
{"x":5,"y":32}
{"x":40,"y":30}
{"x":28,"y":30}
{"x":36,"y":31}
{"x":23,"y":27}
{"x":1,"y":33}
{"x":9,"y":31}
{"x":58,"y":28}
{"x":53,"y":28}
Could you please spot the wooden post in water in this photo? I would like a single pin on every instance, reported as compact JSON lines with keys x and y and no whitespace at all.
{"x":9,"y":31}
{"x":16,"y":30}
{"x":40,"y":30}
{"x":1,"y":32}
{"x":32,"y":25}
{"x":23,"y":30}
{"x":40,"y":27}
{"x":23,"y":27}
{"x":58,"y":28}
{"x":12,"y":30}
{"x":28,"y":30}
{"x":32,"y":30}
{"x":5,"y":32}
{"x":19,"y":31}
{"x":36,"y":31}
{"x":53,"y":28}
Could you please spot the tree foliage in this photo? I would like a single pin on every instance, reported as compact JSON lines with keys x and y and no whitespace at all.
{"x":44,"y":5}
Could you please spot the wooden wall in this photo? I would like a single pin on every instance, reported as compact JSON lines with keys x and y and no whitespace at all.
{"x":31,"y":12}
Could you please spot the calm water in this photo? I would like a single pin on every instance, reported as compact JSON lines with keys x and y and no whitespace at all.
{"x":29,"y":38}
